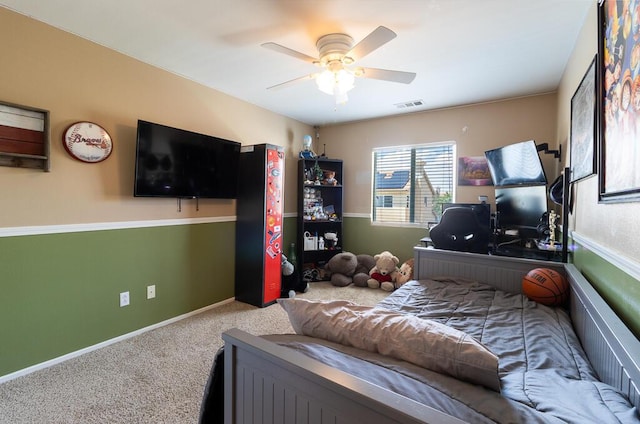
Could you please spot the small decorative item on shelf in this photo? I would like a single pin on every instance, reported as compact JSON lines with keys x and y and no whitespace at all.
{"x":330,"y":240}
{"x":312,"y":205}
{"x":329,"y":178}
{"x":307,"y":153}
{"x":329,"y":210}
{"x":310,"y":242}
{"x":319,"y":174}
{"x":308,"y":176}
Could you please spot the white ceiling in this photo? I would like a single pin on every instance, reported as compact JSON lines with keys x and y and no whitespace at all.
{"x":463,"y":51}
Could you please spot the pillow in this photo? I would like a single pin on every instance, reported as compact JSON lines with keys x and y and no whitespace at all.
{"x":422,"y":342}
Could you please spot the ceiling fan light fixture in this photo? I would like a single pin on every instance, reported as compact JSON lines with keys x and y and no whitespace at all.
{"x":336,"y":52}
{"x":336,"y":83}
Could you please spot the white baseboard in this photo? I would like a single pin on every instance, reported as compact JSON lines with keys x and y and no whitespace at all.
{"x":60,"y":359}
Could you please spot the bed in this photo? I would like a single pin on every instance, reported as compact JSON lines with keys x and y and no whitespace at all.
{"x":583,"y":368}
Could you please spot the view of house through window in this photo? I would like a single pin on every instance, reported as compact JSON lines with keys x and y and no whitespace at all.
{"x":411,"y":183}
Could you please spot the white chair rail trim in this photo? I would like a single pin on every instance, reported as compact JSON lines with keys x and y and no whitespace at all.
{"x":103,"y":226}
{"x":617,"y":259}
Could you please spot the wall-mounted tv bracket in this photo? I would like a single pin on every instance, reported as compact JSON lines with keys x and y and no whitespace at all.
{"x":544,"y":147}
{"x":179,"y":199}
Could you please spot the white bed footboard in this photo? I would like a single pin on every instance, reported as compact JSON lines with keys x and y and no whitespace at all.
{"x":268,"y":383}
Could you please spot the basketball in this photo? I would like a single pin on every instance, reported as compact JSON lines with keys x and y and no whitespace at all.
{"x":545,"y":286}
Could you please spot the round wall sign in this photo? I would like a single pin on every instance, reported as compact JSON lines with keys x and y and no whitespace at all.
{"x":87,"y":142}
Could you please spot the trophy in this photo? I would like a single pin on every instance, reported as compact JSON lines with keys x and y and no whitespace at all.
{"x":552,"y":228}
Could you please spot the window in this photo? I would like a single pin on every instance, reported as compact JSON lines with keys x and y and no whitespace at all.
{"x":384,"y":201}
{"x":410,"y":183}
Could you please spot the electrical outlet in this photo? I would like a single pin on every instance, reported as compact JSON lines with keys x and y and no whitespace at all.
{"x":151,"y":291}
{"x":124,"y":299}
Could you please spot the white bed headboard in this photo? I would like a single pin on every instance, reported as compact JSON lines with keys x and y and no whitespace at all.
{"x":503,"y":272}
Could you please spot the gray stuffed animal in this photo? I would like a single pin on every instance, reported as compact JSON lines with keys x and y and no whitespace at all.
{"x":346,"y":268}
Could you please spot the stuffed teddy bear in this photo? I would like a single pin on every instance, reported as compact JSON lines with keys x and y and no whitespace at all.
{"x":329,"y":178}
{"x":341,"y":268}
{"x":361,"y":274}
{"x":405,"y":273}
{"x":291,"y":282}
{"x":383,"y":274}
{"x":346,"y":268}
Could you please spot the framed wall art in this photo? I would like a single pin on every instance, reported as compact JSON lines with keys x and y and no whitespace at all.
{"x":473,"y":171}
{"x":619,"y":101}
{"x":583,"y":132}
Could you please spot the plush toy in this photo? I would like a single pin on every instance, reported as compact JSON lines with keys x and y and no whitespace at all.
{"x":383,"y":274}
{"x":341,"y":267}
{"x":361,"y":274}
{"x":291,"y":282}
{"x":329,"y":178}
{"x":405,"y":273}
{"x":346,"y":268}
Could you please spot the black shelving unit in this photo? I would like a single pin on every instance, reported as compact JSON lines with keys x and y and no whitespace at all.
{"x":319,"y":213}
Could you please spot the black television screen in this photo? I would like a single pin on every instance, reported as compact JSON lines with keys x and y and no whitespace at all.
{"x":521,"y":208}
{"x":516,"y":164}
{"x":171,"y":162}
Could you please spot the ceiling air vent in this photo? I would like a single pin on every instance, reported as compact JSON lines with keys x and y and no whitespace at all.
{"x":412,"y":103}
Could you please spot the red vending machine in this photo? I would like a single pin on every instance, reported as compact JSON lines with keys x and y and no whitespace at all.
{"x":259,"y":224}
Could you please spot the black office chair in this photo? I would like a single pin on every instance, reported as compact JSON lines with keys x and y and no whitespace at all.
{"x":459,"y":229}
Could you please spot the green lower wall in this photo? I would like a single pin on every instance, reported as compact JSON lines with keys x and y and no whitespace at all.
{"x":289,"y":231}
{"x":362,"y":237}
{"x":619,"y":289}
{"x":60,"y":292}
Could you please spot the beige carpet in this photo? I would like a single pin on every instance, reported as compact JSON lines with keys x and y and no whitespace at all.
{"x":157,"y":377}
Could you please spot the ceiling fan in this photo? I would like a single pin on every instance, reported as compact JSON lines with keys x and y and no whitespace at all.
{"x":336,"y":54}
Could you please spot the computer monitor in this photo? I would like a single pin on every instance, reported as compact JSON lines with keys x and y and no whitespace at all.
{"x":521,"y":209}
{"x":516,"y":164}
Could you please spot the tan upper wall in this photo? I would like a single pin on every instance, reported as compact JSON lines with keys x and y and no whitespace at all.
{"x":77,"y":80}
{"x":614,"y":226}
{"x":474,"y":128}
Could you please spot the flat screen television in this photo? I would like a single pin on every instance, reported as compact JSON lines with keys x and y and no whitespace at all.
{"x":520,"y":209}
{"x":171,"y":162}
{"x":516,"y":164}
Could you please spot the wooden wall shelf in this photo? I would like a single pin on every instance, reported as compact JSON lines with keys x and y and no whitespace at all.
{"x":24,"y":137}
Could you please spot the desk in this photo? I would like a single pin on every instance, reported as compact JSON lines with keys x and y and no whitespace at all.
{"x":512,"y":250}
{"x":517,"y":251}
{"x":426,"y":242}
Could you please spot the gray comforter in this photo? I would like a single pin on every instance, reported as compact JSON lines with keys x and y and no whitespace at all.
{"x":544,"y":373}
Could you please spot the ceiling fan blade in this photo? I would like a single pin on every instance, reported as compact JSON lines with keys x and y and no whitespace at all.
{"x":377,"y":38}
{"x":384,"y":74}
{"x":292,"y":82}
{"x":282,"y":49}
